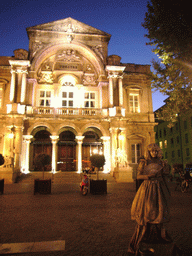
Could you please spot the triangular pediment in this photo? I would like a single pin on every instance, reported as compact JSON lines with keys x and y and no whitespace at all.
{"x":68,"y":25}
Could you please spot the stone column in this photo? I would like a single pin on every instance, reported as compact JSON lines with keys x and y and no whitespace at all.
{"x":106,"y":143}
{"x":18,"y":146}
{"x":113,"y":152}
{"x":110,"y":91}
{"x":54,"y":140}
{"x":120,"y":91}
{"x":23,"y":86}
{"x":12,"y":86}
{"x":79,"y":140}
{"x":25,"y":155}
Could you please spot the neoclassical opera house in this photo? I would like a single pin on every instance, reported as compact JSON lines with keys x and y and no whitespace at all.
{"x":67,"y":98}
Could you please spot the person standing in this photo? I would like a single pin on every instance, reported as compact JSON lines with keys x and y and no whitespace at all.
{"x":150,"y":207}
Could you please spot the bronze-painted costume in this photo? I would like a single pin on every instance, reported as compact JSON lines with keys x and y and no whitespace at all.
{"x":150,"y":205}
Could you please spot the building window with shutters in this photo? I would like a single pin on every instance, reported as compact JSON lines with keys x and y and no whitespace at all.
{"x":136,"y":152}
{"x":44,"y":98}
{"x":134,"y":103}
{"x":67,"y":99}
{"x":89,"y":100}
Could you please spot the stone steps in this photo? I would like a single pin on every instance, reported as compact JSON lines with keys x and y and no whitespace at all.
{"x":61,"y":177}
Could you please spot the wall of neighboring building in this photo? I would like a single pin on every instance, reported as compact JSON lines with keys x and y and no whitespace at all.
{"x":176,"y":142}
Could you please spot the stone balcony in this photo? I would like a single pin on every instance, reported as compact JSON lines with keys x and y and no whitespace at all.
{"x":50,"y":112}
{"x":66,"y":112}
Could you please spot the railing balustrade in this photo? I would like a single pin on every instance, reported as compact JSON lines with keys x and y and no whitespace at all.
{"x":64,"y":111}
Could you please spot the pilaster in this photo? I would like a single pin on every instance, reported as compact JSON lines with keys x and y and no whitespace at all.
{"x":79,"y":140}
{"x":106,"y":143}
{"x":54,"y":140}
{"x":25,"y":153}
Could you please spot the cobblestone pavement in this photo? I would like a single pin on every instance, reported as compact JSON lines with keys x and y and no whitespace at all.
{"x":90,"y":225}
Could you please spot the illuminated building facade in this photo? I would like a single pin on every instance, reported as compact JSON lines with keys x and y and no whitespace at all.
{"x":67,"y":98}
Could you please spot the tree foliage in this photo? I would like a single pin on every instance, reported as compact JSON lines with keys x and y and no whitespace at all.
{"x":97,"y":160}
{"x":169,"y":26}
{"x":41,"y":161}
{"x":169,"y":31}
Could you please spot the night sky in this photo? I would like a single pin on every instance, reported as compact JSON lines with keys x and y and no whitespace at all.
{"x":121,"y":19}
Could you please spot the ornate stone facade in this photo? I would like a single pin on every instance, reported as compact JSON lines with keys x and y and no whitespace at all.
{"x":66,"y":97}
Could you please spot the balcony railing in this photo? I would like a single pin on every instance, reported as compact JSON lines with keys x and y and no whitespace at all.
{"x":47,"y":111}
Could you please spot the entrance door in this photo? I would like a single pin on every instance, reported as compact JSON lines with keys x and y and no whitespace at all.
{"x":66,"y":157}
{"x":66,"y":152}
{"x":41,"y":145}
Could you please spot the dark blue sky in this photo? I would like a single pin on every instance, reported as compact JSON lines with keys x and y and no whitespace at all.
{"x":122,"y":19}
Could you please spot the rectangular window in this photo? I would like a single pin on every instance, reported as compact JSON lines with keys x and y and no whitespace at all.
{"x":186,"y":138}
{"x":177,"y":139}
{"x":67,"y":99}
{"x":187,"y":152}
{"x":45,"y":98}
{"x":165,"y":144}
{"x":89,"y":100}
{"x":161,"y":144}
{"x":178,"y":153}
{"x":173,"y":154}
{"x":134,"y":103}
{"x":136,"y":152}
{"x":172,"y":141}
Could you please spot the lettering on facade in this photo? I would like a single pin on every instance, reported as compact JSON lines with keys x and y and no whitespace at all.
{"x":63,"y":66}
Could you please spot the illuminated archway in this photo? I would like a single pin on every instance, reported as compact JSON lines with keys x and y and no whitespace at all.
{"x":84,"y":50}
{"x":92,"y":144}
{"x":41,"y":144}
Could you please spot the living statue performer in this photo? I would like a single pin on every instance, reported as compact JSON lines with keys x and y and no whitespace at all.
{"x":150,"y":207}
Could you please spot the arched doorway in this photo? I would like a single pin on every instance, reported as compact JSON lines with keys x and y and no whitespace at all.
{"x":66,"y":152}
{"x":91,"y":144}
{"x":41,"y":144}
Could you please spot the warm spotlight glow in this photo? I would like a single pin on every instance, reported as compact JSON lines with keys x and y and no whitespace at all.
{"x":11,"y":135}
{"x":68,"y":79}
{"x":95,"y":151}
{"x":121,"y":137}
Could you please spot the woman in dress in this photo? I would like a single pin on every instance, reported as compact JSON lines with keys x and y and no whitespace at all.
{"x":150,"y":205}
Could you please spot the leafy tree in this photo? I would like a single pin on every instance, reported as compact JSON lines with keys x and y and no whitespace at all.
{"x":41,"y":161}
{"x":169,"y":31}
{"x":98,"y":161}
{"x":169,"y":26}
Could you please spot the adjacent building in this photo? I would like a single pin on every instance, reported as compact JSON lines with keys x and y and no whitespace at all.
{"x":176,"y":142}
{"x":67,"y":98}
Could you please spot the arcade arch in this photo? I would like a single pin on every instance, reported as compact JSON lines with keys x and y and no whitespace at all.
{"x":41,"y":143}
{"x":70,"y":150}
{"x":92,"y":143}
